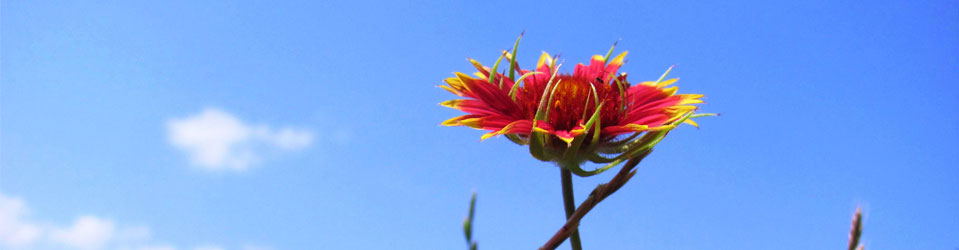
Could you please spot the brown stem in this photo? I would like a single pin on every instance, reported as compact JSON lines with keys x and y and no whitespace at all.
{"x":599,"y":193}
{"x":856,"y":231}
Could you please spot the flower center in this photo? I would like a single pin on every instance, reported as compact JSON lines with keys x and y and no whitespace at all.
{"x":574,"y":102}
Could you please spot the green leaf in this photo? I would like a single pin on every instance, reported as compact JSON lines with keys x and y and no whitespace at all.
{"x":467,"y":224}
{"x":467,"y":230}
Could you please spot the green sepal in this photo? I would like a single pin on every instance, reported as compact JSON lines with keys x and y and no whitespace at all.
{"x":622,"y":93}
{"x":597,"y":128}
{"x":664,"y":74}
{"x":648,"y":136}
{"x":492,"y":72}
{"x":543,"y":101}
{"x":512,"y":61}
{"x":616,"y":161}
{"x":571,"y":157}
{"x":639,"y":147}
{"x":550,"y":154}
{"x":515,"y":139}
{"x":573,"y":149}
{"x":599,"y":170}
{"x":594,"y":97}
{"x":593,"y":123}
{"x":538,"y":141}
{"x":702,"y":115}
{"x":597,"y":158}
{"x":610,"y":53}
{"x":537,"y":146}
{"x":500,"y":83}
{"x":650,"y":140}
{"x":573,"y":167}
{"x":615,"y":147}
{"x":549,"y":103}
{"x":512,"y":90}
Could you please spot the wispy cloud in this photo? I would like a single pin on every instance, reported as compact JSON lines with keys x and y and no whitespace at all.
{"x":156,"y":247}
{"x":87,"y":232}
{"x":255,"y":247}
{"x":217,"y":140}
{"x":208,"y":248}
{"x":19,"y":231}
{"x":15,"y":231}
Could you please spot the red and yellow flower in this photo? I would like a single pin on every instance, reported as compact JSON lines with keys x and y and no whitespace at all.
{"x":587,"y":111}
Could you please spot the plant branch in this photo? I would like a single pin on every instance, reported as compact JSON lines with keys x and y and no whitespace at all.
{"x":856,"y":231}
{"x":599,"y":193}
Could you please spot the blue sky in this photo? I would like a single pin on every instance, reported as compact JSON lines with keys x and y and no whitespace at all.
{"x":314,"y":125}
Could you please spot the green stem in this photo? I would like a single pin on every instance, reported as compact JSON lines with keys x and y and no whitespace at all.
{"x":570,"y":204}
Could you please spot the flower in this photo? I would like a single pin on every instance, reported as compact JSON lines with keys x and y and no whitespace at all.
{"x":586,"y":110}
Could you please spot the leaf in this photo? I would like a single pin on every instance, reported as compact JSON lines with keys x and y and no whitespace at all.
{"x":468,"y":223}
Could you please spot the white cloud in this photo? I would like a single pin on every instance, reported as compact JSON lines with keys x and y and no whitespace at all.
{"x":87,"y":232}
{"x":133,"y":234}
{"x":19,"y":232}
{"x":255,"y":247}
{"x":15,"y":231}
{"x":158,"y":247}
{"x":208,"y":248}
{"x":217,"y":140}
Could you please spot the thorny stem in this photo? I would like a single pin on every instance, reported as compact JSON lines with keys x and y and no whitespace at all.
{"x":570,"y":204}
{"x":601,"y":192}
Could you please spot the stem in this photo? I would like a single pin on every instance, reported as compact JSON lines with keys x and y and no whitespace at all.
{"x":856,"y":230}
{"x":570,"y":204}
{"x":601,"y":192}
